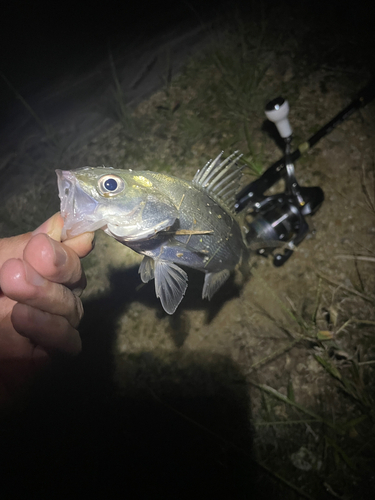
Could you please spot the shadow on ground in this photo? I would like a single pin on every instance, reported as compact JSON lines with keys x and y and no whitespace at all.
{"x":176,"y":426}
{"x":175,"y":431}
{"x":126,"y":287}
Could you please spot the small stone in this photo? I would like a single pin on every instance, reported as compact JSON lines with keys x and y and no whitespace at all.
{"x":336,"y":136}
{"x":303,"y":459}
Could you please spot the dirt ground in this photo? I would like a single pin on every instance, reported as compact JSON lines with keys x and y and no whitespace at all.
{"x":267,"y":390}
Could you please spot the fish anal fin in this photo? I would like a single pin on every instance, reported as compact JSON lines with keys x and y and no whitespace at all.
{"x":170,"y":284}
{"x":212,"y":283}
{"x":146,"y":269}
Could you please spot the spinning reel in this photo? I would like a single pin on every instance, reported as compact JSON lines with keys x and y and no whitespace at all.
{"x":280,"y":219}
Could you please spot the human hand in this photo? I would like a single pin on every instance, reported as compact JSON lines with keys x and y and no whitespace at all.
{"x":40,"y":279}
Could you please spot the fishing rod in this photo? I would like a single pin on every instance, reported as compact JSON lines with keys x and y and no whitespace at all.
{"x":280,"y":219}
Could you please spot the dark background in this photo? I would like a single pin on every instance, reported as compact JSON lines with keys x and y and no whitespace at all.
{"x":43,"y":40}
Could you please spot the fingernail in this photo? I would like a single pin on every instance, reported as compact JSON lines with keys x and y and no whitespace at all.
{"x":53,"y":227}
{"x":89,"y":237}
{"x":32,"y":277}
{"x":60,"y":254}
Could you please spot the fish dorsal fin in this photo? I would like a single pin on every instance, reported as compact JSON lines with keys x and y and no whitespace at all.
{"x":170,"y":284}
{"x":212,"y":283}
{"x":220,"y":180}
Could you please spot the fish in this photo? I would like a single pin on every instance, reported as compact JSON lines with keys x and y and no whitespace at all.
{"x":172,"y":222}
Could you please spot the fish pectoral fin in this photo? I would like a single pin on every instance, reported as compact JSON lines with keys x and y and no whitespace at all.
{"x":170,"y":284}
{"x":212,"y":283}
{"x":146,"y":269}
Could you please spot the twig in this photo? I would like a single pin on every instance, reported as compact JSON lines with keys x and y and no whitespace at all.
{"x":285,"y":422}
{"x":48,"y":130}
{"x":286,"y":482}
{"x":274,"y":355}
{"x":365,"y":258}
{"x":277,"y":394}
{"x":350,"y":290}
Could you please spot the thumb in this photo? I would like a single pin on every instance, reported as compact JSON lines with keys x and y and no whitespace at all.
{"x":52,"y":227}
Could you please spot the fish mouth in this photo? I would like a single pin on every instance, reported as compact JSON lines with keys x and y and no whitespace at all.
{"x":77,"y":207}
{"x":65,"y":183}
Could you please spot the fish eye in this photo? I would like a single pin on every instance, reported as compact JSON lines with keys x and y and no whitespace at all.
{"x":110,"y":185}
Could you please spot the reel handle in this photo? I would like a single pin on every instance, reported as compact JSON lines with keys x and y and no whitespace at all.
{"x":277,"y":111}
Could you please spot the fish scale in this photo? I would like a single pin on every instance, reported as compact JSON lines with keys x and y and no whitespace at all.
{"x":197,"y":211}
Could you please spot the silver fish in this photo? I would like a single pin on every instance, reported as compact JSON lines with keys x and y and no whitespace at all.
{"x":170,"y":221}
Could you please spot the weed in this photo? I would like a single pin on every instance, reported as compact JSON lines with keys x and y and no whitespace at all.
{"x":346,"y":368}
{"x":118,"y":103}
{"x":48,"y":130}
